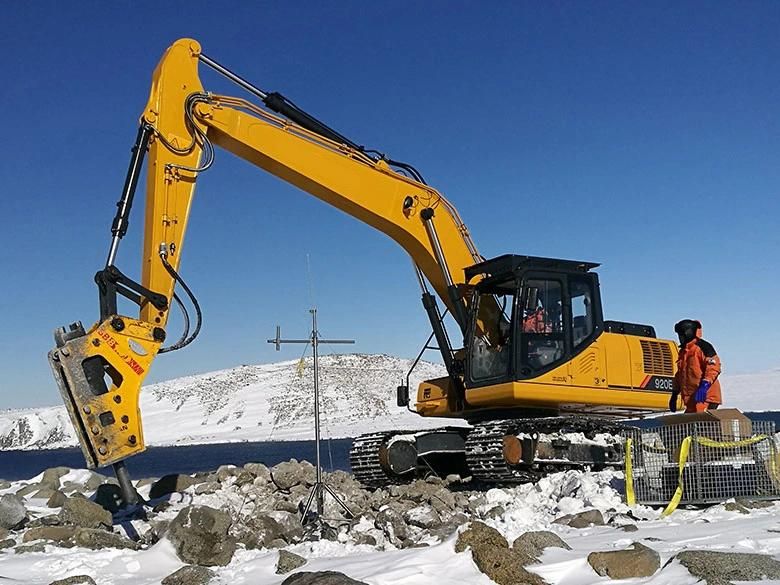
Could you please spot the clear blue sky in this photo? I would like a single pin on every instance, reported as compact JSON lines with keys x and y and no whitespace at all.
{"x":645,"y":136}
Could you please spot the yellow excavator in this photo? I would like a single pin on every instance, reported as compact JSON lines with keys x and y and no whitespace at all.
{"x":539,"y":370}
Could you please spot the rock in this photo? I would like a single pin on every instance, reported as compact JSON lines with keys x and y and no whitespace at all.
{"x":56,"y":499}
{"x":3,"y":533}
{"x":259,"y":531}
{"x":12,"y":511}
{"x":75,"y":580}
{"x":4,"y":485}
{"x":392,"y":523}
{"x":7,"y":543}
{"x":290,"y":525}
{"x":735,"y":507}
{"x":628,"y":527}
{"x":480,"y":535}
{"x":29,"y":489}
{"x":43,"y":494}
{"x":190,"y":575}
{"x":290,"y":473}
{"x":208,"y":487}
{"x":86,"y":513}
{"x":224,"y":472}
{"x":755,"y":504}
{"x":721,"y":568}
{"x":169,"y":484}
{"x":321,"y":578}
{"x":288,"y":562}
{"x":51,"y":477}
{"x":638,"y":561}
{"x":492,"y":555}
{"x":494,"y":512}
{"x":28,"y":548}
{"x":200,"y":536}
{"x":52,"y":533}
{"x":532,"y":544}
{"x":582,"y":520}
{"x":95,"y":481}
{"x":97,"y":539}
{"x":422,"y":517}
{"x":259,"y":470}
{"x":363,"y":538}
{"x":109,"y":497}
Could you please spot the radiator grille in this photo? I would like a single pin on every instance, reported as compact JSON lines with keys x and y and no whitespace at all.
{"x":657,"y":358}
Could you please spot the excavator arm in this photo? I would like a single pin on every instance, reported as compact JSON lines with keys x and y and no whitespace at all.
{"x":100,"y":371}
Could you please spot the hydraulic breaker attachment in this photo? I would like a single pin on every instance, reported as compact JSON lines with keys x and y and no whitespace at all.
{"x":99,"y":374}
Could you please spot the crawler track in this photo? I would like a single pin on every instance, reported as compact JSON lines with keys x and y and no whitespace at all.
{"x":484,"y":451}
{"x":365,"y":462}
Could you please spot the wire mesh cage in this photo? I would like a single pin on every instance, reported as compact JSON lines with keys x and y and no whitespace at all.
{"x":711,"y":461}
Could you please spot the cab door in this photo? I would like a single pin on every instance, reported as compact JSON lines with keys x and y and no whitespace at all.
{"x":587,"y":366}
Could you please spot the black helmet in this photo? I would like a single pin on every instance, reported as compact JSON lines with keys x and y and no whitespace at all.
{"x":686,"y":330}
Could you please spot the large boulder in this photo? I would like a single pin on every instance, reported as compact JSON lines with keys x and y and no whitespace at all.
{"x":532,"y":544}
{"x":190,"y":575}
{"x":288,"y":562}
{"x":83,"y":512}
{"x":169,"y":484}
{"x":492,"y":555}
{"x":12,"y":511}
{"x":200,"y":536}
{"x":321,"y":578}
{"x":638,"y":561}
{"x":721,"y":568}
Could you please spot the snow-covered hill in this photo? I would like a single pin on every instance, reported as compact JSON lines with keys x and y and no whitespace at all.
{"x":269,"y":402}
{"x":274,"y":402}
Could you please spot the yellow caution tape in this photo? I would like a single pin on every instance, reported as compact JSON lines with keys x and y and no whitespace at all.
{"x":730,"y":444}
{"x":630,"y":496}
{"x":685,"y":447}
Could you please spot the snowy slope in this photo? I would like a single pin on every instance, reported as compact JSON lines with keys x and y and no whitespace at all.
{"x":274,"y":402}
{"x":268,"y":402}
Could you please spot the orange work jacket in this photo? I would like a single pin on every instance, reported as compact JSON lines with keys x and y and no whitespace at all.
{"x":696,"y":362}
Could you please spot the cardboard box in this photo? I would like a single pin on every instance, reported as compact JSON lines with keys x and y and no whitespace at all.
{"x":732,"y":426}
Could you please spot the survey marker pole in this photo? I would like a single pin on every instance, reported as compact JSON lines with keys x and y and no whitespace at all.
{"x":317,"y":492}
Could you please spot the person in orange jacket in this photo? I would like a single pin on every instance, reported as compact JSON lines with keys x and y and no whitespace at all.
{"x":698,"y":368}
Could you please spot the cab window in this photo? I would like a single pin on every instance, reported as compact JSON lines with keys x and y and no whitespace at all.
{"x":543,"y":339}
{"x":491,"y":351}
{"x":582,"y":324}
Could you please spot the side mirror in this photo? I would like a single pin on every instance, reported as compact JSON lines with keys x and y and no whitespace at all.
{"x":402,"y":397}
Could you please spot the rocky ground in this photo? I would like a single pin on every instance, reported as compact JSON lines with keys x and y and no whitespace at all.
{"x":213,"y":520}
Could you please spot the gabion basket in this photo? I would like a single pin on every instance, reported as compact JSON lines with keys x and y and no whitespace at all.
{"x":710,"y":461}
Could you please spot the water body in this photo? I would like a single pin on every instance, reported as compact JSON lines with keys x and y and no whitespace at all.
{"x":159,"y":461}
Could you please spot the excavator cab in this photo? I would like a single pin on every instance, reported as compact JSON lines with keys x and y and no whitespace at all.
{"x":550,"y":312}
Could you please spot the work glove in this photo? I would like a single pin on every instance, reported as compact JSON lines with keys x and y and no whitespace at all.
{"x":701,"y":391}
{"x":673,"y":402}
